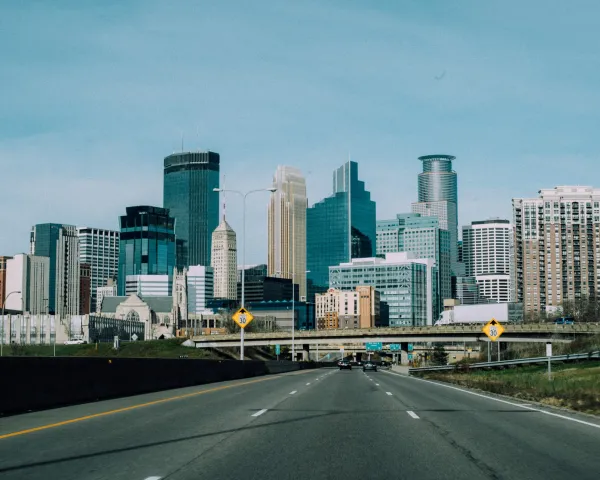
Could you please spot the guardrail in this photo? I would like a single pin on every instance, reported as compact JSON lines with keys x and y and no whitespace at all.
{"x":504,"y":363}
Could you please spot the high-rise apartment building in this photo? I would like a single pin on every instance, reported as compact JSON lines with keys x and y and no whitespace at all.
{"x":200,"y":284}
{"x":486,"y":247}
{"x":407,"y":285}
{"x":61,"y":244}
{"x":29,"y":275}
{"x":3,"y":291}
{"x":287,"y":227}
{"x":224,"y":262}
{"x":147,"y":243}
{"x":557,"y":246}
{"x":189,"y":180}
{"x":340,"y":227}
{"x":99,"y":248}
{"x":438,"y":197}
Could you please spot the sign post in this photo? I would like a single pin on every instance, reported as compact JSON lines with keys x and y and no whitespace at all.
{"x":493,"y":329}
{"x":549,"y":355}
{"x":243,"y":318}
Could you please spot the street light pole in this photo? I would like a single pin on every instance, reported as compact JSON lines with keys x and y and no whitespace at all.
{"x":244,"y":196}
{"x":9,"y":323}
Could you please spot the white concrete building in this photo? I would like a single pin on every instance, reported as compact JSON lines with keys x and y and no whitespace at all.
{"x":103,"y":292}
{"x":30,"y":275}
{"x":148,"y":285}
{"x":287,"y":227}
{"x":200,"y":285}
{"x":337,"y":309}
{"x":224,"y":261}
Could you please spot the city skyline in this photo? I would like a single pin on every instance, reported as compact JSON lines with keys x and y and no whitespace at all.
{"x":265,"y":80}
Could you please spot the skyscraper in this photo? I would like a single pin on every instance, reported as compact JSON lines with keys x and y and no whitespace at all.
{"x":438,"y":197}
{"x":341,"y":226}
{"x":189,"y":180}
{"x":99,"y":248}
{"x":147,"y":243}
{"x":3,"y":291}
{"x":557,"y":240}
{"x":287,"y":227}
{"x":487,"y":246}
{"x":85,"y":288}
{"x":61,"y":244}
{"x":224,"y":262}
{"x":29,"y":275}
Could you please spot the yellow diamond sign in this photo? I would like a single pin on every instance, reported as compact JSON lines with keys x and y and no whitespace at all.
{"x":493,"y":329}
{"x":242,"y":317}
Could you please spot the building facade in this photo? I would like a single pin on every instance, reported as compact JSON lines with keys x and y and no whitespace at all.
{"x":60,"y":244}
{"x":340,"y":227}
{"x":189,"y":180}
{"x":267,"y":289}
{"x":103,"y":292}
{"x":407,"y":285}
{"x":147,"y":243}
{"x":29,"y":275}
{"x":557,"y":246}
{"x":224,"y":261}
{"x":283,"y":313}
{"x":466,"y":290}
{"x":438,"y":197}
{"x":99,"y":248}
{"x":85,"y":288}
{"x":287,"y":227}
{"x":3,"y":290}
{"x":149,"y":285}
{"x":347,"y":309}
{"x":487,"y":247}
{"x":200,"y":284}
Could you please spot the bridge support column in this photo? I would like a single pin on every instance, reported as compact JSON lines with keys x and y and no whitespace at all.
{"x":305,"y":352}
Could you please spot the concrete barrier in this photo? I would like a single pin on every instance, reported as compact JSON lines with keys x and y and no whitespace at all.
{"x":36,"y":383}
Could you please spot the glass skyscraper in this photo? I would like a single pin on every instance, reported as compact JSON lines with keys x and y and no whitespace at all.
{"x":341,"y":226}
{"x":147,"y":243}
{"x":189,"y":180}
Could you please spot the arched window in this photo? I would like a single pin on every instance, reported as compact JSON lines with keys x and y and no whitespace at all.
{"x":133,"y":315}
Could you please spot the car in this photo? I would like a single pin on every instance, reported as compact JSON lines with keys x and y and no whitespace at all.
{"x":345,"y":365}
{"x":75,"y":342}
{"x":369,"y":366}
{"x":565,"y":321}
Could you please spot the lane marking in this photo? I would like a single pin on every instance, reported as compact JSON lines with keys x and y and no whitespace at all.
{"x":153,"y":478}
{"x":308,"y":384}
{"x":132,"y":407}
{"x":388,"y":393}
{"x":294,"y":392}
{"x":526,"y":407}
{"x":259,"y":413}
{"x":413,"y":414}
{"x":376,"y":384}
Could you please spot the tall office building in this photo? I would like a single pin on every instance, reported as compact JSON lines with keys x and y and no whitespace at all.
{"x":557,"y":240}
{"x":99,"y":248}
{"x":29,"y":275}
{"x":200,"y":285}
{"x":149,"y":285}
{"x":189,"y":180}
{"x":85,"y":288}
{"x":486,"y":247}
{"x":61,"y":244}
{"x":438,"y":197}
{"x":224,"y":262}
{"x":287,"y":227}
{"x":3,"y":291}
{"x":340,"y":227}
{"x":147,"y":243}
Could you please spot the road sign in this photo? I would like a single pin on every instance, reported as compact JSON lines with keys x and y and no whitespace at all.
{"x":277,"y":349}
{"x":410,"y":347}
{"x":493,"y":329}
{"x":134,"y":337}
{"x":548,"y":349}
{"x":410,"y":356}
{"x":394,"y":347}
{"x":242,"y":317}
{"x":376,"y":346}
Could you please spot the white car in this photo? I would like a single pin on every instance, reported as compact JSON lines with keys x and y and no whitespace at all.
{"x":75,"y":342}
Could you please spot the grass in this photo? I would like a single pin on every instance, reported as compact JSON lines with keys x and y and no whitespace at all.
{"x":170,"y":348}
{"x":574,"y":386}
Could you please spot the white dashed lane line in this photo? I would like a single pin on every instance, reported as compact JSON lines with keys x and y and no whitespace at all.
{"x":388,"y":393}
{"x":308,"y":384}
{"x":294,"y":392}
{"x":413,"y":415}
{"x":259,"y":413}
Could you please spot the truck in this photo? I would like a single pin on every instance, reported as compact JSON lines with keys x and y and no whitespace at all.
{"x":480,"y":314}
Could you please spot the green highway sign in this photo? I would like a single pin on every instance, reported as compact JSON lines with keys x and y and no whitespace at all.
{"x":376,"y":346}
{"x":394,"y":347}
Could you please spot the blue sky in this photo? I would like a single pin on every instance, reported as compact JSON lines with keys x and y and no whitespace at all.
{"x":93,"y":96}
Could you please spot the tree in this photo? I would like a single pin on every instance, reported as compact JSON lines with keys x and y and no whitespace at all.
{"x":440,"y":357}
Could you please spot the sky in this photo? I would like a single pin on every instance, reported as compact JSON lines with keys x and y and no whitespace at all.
{"x":94,"y":95}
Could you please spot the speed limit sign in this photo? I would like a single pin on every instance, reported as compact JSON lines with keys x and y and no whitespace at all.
{"x":493,"y":329}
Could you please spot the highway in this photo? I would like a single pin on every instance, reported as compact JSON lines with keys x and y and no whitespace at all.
{"x":318,"y":424}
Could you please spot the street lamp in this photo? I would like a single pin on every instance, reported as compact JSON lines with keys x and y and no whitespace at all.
{"x":9,"y":323}
{"x":244,"y":195}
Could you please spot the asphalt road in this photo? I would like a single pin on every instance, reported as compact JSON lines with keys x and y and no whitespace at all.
{"x":323,"y":424}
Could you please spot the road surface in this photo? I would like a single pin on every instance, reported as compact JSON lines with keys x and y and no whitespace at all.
{"x":319,"y":424}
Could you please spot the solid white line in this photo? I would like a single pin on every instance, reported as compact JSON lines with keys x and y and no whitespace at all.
{"x":413,"y":415}
{"x":294,"y":392}
{"x":564,"y":417}
{"x":259,"y":413}
{"x":389,"y":393}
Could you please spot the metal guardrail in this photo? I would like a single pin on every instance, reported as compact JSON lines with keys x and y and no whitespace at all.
{"x":503,"y":363}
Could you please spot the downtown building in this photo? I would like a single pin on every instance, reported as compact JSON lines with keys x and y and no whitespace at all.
{"x":407,"y":285}
{"x":340,"y":227}
{"x":359,"y":308}
{"x":189,"y":182}
{"x":224,"y":262}
{"x":487,"y":247}
{"x":200,"y":285}
{"x":287,"y":227}
{"x":60,"y":244}
{"x":438,"y":197}
{"x":30,"y":276}
{"x":557,"y":247}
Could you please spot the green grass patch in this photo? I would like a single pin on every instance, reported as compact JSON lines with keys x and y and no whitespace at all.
{"x":574,"y":386}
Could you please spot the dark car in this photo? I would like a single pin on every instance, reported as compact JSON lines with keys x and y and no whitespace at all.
{"x":369,"y":366}
{"x":345,"y":365}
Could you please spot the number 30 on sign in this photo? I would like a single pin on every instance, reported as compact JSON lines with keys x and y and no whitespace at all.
{"x":242,"y":317}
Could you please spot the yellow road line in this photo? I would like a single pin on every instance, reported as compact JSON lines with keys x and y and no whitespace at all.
{"x":132,"y":407}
